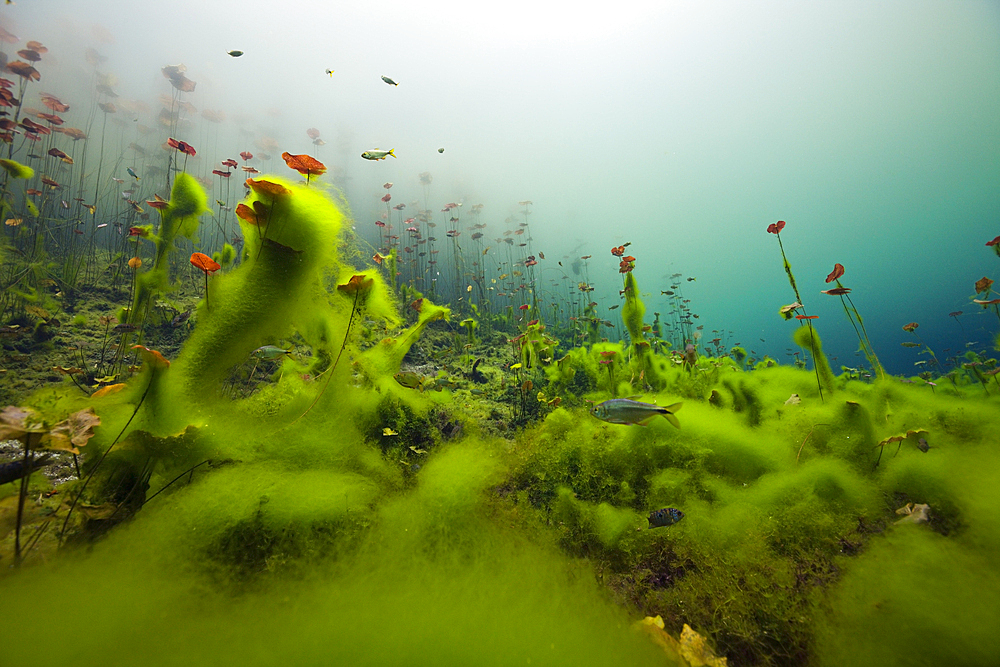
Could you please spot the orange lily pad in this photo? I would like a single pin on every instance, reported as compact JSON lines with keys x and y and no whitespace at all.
{"x":24,"y":70}
{"x":204,"y":262}
{"x":263,"y":187}
{"x":304,"y":164}
{"x":152,"y":357}
{"x":358,"y":283}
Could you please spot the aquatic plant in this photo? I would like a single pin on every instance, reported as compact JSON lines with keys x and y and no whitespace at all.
{"x":206,"y":265}
{"x":912,"y":328}
{"x":35,"y":434}
{"x":984,"y":286}
{"x":855,"y":318}
{"x":304,"y":164}
{"x":786,"y":312}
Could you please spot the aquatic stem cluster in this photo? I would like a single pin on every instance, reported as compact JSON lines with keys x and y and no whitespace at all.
{"x":855,"y":318}
{"x":775,"y":228}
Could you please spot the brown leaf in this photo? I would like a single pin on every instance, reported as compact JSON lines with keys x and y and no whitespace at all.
{"x":24,"y":70}
{"x":263,"y":187}
{"x":304,"y":164}
{"x":16,"y":422}
{"x":71,"y":132}
{"x":52,"y":102}
{"x":73,"y":432}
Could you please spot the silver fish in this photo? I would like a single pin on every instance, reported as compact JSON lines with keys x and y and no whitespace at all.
{"x":627,"y":411}
{"x":269,"y":352}
{"x":378,"y":154}
{"x":389,"y":81}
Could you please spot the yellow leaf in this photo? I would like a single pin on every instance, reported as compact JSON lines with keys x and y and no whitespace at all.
{"x":108,"y":390}
{"x":72,"y":432}
{"x":695,"y":649}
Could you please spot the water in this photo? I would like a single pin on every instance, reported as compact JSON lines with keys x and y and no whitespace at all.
{"x":504,"y":517}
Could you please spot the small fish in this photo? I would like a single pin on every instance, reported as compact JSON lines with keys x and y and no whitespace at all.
{"x":691,"y":280}
{"x":613,"y":307}
{"x":378,"y":154}
{"x":922,"y":445}
{"x":388,"y":431}
{"x":389,"y":81}
{"x":667,"y":516}
{"x":180,"y":318}
{"x":269,"y":352}
{"x":132,"y":173}
{"x":235,"y":54}
{"x":329,"y":72}
{"x":667,"y":292}
{"x":440,"y":150}
{"x":118,"y":180}
{"x":627,"y":411}
{"x":410,"y":380}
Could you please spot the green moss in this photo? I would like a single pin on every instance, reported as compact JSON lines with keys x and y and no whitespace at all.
{"x":808,"y":339}
{"x":633,"y":309}
{"x":913,"y":598}
{"x":16,"y":169}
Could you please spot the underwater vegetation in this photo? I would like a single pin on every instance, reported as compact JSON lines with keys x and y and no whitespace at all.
{"x":269,"y":437}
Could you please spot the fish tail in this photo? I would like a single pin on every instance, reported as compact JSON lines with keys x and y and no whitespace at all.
{"x":391,"y":153}
{"x":669,"y":414}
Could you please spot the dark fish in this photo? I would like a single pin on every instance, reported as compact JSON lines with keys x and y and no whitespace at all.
{"x":17,"y":469}
{"x":922,"y":445}
{"x":125,"y":328}
{"x":180,"y":318}
{"x":667,"y":516}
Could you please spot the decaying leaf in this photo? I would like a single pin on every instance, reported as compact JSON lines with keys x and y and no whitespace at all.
{"x":17,"y":422}
{"x":690,"y":651}
{"x":40,"y":313}
{"x":914,"y":513}
{"x":108,"y":390}
{"x":900,"y":437}
{"x":73,"y":432}
{"x":24,"y":70}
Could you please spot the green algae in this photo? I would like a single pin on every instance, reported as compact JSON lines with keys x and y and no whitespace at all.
{"x":427,"y":576}
{"x":351,"y":544}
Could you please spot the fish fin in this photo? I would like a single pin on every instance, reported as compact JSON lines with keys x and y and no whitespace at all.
{"x":672,"y":419}
{"x":645,"y":422}
{"x":391,"y":153}
{"x":675,"y":407}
